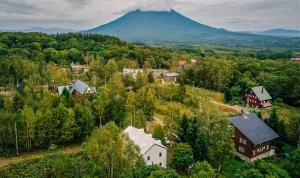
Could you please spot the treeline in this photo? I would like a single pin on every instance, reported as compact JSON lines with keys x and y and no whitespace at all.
{"x":236,"y":76}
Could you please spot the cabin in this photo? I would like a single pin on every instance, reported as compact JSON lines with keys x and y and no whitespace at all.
{"x":151,"y":150}
{"x":258,"y":97}
{"x":170,"y":78}
{"x":79,"y":89}
{"x":297,"y":59}
{"x":132,"y":72}
{"x":252,"y":137}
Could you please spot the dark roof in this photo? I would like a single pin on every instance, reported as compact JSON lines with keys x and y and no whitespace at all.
{"x":81,"y":87}
{"x":261,"y":93}
{"x":255,"y":129}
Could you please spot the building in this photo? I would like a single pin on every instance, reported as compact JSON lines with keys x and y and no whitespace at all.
{"x":181,"y":64}
{"x":79,"y":89}
{"x":170,"y":78}
{"x":258,"y":97}
{"x":132,"y":72}
{"x":252,"y":137}
{"x":151,"y":150}
{"x":157,"y":73}
{"x":297,"y":59}
{"x":79,"y":68}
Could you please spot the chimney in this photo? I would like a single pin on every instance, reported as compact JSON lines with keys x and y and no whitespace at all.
{"x":262,"y":89}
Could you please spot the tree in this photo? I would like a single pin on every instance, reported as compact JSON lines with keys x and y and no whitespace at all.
{"x":164,"y":173}
{"x":183,"y":129}
{"x":114,"y":151}
{"x":183,"y":157}
{"x":261,"y":169}
{"x":221,"y":146}
{"x":227,"y":95}
{"x":293,"y":163}
{"x":100,"y":103}
{"x":159,"y":133}
{"x":203,"y":170}
{"x":29,"y":118}
{"x":294,"y":129}
{"x":150,"y":77}
{"x":277,"y":125}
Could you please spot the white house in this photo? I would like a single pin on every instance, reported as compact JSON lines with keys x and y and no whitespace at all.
{"x":152,"y":151}
{"x":132,"y":72}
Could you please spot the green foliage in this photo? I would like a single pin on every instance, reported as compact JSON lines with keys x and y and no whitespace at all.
{"x":276,"y":124}
{"x":203,"y":170}
{"x":183,"y":157}
{"x":293,"y":164}
{"x":261,"y":169}
{"x":159,"y":133}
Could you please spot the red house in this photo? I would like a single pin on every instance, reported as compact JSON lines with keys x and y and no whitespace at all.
{"x":258,"y":97}
{"x":181,"y":64}
{"x":252,"y":137}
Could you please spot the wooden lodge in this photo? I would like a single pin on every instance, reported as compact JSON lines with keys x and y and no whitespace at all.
{"x":258,"y":97}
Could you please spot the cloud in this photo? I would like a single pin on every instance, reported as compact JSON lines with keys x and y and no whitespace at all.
{"x":84,"y":14}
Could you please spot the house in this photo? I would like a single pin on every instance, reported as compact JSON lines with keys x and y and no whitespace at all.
{"x":181,"y":64}
{"x":157,"y":73}
{"x":78,"y":68}
{"x":258,"y":97}
{"x":170,"y":78}
{"x":132,"y":72}
{"x":151,"y":150}
{"x":78,"y":89}
{"x":252,"y":137}
{"x":297,"y":59}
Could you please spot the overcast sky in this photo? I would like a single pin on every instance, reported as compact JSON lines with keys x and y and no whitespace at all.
{"x":238,"y":15}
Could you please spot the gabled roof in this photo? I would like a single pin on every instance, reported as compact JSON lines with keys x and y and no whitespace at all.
{"x":141,"y":139}
{"x":261,"y":93}
{"x":81,"y":87}
{"x":255,"y":129}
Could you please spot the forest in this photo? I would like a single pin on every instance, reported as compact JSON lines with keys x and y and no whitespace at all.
{"x":40,"y":119}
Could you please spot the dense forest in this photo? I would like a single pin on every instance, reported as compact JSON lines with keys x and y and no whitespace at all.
{"x":40,"y":119}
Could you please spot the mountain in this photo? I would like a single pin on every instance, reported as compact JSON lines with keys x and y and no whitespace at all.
{"x":42,"y":30}
{"x":281,"y":32}
{"x":171,"y":27}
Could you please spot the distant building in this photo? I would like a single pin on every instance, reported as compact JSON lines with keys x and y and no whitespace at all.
{"x":181,"y":64}
{"x":297,"y":59}
{"x":79,"y":89}
{"x":169,"y":78}
{"x":132,"y":72}
{"x":258,"y":97}
{"x":253,"y":138}
{"x":151,"y":150}
{"x":78,"y":68}
{"x":157,"y":73}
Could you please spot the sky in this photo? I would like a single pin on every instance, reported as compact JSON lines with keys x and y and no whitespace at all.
{"x":236,"y":15}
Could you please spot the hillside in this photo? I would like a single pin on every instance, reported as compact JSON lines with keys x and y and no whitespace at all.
{"x":281,"y":32}
{"x":171,"y":27}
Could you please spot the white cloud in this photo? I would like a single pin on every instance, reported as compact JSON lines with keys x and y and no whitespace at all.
{"x":84,"y":14}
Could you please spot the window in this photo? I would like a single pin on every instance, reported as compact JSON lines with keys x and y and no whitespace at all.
{"x":148,"y":158}
{"x":241,"y":149}
{"x":160,"y":154}
{"x":245,"y":142}
{"x":253,"y":152}
{"x":160,"y":164}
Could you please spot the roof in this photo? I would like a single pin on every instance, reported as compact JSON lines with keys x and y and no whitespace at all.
{"x":181,"y":62}
{"x":255,"y":129}
{"x":60,"y":89}
{"x":81,"y":87}
{"x":295,"y":59}
{"x":171,"y":74}
{"x":261,"y":93}
{"x":141,"y":139}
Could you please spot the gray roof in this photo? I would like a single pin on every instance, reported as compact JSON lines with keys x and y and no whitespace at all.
{"x":60,"y":89}
{"x":141,"y":139}
{"x":261,"y":93}
{"x":81,"y":87}
{"x":171,"y":74}
{"x":253,"y":128}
